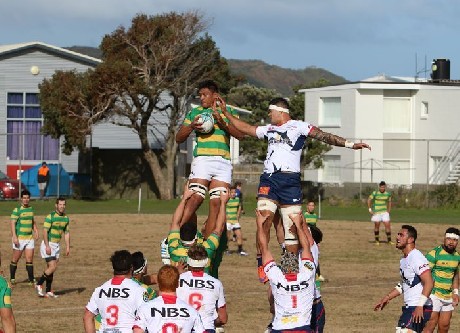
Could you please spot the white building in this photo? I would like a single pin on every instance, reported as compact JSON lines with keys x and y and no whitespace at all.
{"x":411,"y":125}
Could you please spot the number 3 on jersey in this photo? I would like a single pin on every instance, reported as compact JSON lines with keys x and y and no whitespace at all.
{"x":112,"y":315}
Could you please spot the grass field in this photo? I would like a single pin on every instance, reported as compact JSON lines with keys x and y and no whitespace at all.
{"x":358,"y":272}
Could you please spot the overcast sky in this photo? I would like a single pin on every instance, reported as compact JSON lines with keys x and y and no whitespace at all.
{"x":356,"y":39}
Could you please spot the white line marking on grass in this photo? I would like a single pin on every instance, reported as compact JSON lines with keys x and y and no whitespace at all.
{"x":50,"y":310}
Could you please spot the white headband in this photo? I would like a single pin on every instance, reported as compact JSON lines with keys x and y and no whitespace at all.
{"x":197,"y":263}
{"x":278,"y":108}
{"x":140,"y":269}
{"x":452,"y":235}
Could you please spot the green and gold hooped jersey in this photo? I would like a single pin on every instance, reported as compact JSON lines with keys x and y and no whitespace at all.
{"x":24,"y":218}
{"x":231,"y":210}
{"x":443,"y":267}
{"x":310,"y":218}
{"x":215,"y":143}
{"x":56,"y":225}
{"x":380,"y":201}
{"x":5,"y":293}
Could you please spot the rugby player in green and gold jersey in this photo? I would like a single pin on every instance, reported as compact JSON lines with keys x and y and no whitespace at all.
{"x":379,"y":204}
{"x":6,"y":310}
{"x":444,"y":262}
{"x":24,"y":232}
{"x":211,"y":167}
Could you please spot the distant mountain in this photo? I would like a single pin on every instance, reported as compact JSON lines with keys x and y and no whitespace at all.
{"x":259,"y":73}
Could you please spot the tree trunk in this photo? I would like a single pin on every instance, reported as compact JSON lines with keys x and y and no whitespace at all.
{"x":164,"y":179}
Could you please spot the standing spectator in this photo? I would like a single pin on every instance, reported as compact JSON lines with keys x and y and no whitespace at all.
{"x":6,"y":310}
{"x":43,"y":178}
{"x":292,"y":283}
{"x":202,"y":291}
{"x":444,"y":263}
{"x":379,"y":204}
{"x":117,"y":300}
{"x":415,"y":285}
{"x":233,"y":211}
{"x":56,"y":224}
{"x":167,"y":313}
{"x":310,"y":216}
{"x":24,"y":232}
{"x":239,"y":194}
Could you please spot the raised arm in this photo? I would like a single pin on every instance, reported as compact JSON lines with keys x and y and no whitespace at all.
{"x":222,"y":215}
{"x":335,"y":140}
{"x":177,"y":216}
{"x":262,"y":239}
{"x":303,"y":240}
{"x":242,"y":127}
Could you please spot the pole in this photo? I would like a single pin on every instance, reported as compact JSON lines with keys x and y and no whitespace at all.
{"x":361,"y":173}
{"x":427,"y":172}
{"x":139,"y":201}
{"x":319,"y":205}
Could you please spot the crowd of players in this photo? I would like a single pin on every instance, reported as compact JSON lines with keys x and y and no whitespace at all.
{"x":190,"y":295}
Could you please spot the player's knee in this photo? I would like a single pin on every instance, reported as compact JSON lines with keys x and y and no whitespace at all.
{"x":265,"y":204}
{"x":215,"y":192}
{"x":402,"y":330}
{"x":199,"y":189}
{"x":291,"y":239}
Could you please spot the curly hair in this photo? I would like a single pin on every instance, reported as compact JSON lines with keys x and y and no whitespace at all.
{"x":289,"y":263}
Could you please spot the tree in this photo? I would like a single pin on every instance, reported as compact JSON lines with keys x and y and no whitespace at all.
{"x":157,"y":55}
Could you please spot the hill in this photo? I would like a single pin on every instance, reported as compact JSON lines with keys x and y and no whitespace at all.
{"x":259,"y":73}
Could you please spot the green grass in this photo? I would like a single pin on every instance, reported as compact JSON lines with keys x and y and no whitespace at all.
{"x":328,"y":212}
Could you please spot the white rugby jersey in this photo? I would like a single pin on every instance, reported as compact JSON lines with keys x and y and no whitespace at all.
{"x":315,"y":253}
{"x":411,"y":267}
{"x":293,"y":294}
{"x":117,"y":301}
{"x":204,"y":293}
{"x":285,"y":145}
{"x":168,"y":314}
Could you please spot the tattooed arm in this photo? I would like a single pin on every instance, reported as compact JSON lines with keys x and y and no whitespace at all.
{"x":335,"y":140}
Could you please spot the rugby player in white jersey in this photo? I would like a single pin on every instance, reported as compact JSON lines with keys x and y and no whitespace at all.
{"x":202,"y":291}
{"x":167,"y":313}
{"x":415,"y":286}
{"x":280,"y":185}
{"x":292,"y":284}
{"x":117,"y":300}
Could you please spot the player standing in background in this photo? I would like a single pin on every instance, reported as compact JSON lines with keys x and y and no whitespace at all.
{"x":211,"y":167}
{"x":239,"y":194}
{"x":117,"y":300}
{"x":167,"y":313}
{"x":311,"y":218}
{"x":202,"y":291}
{"x":280,"y":185}
{"x":56,"y":224}
{"x":379,"y":204}
{"x":24,"y":232}
{"x":233,"y":211}
{"x":292,"y":283}
{"x":444,"y":263}
{"x":6,"y":311}
{"x":415,"y":286}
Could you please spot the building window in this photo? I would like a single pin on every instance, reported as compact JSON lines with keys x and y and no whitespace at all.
{"x":397,"y":172}
{"x":424,"y":110}
{"x":330,"y":173}
{"x":24,"y":123}
{"x":330,"y":112}
{"x":396,"y":115}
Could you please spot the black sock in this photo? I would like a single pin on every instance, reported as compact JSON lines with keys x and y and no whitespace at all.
{"x":42,"y":279}
{"x":30,"y":271}
{"x":240,"y":248}
{"x":259,"y":260}
{"x":389,"y":236}
{"x":13,"y":268}
{"x":376,"y":234}
{"x":49,"y":281}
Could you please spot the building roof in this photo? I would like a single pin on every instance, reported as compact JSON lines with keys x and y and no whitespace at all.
{"x":11,"y":49}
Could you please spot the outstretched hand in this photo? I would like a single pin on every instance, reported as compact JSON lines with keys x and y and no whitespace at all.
{"x":361,"y":145}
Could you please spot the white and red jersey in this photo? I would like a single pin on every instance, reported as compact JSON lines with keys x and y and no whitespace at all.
{"x":168,"y":314}
{"x":117,"y":301}
{"x":315,"y":253}
{"x":293,"y":294}
{"x":285,"y":145}
{"x":204,"y":293}
{"x":411,"y":267}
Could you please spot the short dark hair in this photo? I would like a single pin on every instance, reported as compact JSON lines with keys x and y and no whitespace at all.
{"x":188,"y":231}
{"x":453,"y":230}
{"x":197,"y":252}
{"x":59,"y":199}
{"x":25,"y":192}
{"x":316,"y":233}
{"x":138,"y":260}
{"x":280,"y":101}
{"x":210,"y":84}
{"x":238,"y":183}
{"x":411,"y":231}
{"x":43,"y":163}
{"x":122,"y":262}
{"x":382,"y":183}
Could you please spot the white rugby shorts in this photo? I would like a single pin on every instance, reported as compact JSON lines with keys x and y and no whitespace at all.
{"x":233,"y":226}
{"x":381,"y":217}
{"x":441,"y":305}
{"x":24,"y":244}
{"x":55,"y":250}
{"x":211,"y":167}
